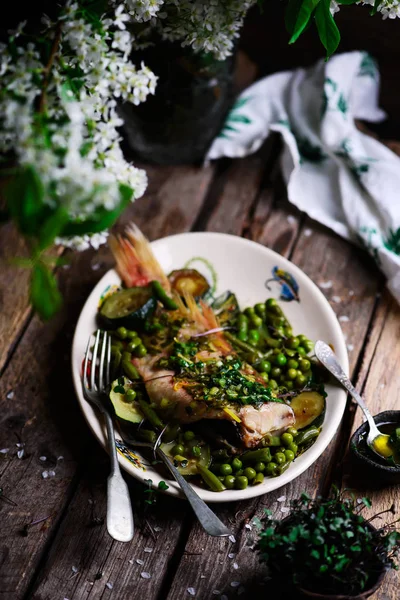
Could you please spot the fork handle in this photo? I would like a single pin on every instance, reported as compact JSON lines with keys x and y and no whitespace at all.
{"x":119,"y":508}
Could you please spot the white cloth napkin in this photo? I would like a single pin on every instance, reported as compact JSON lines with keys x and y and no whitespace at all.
{"x":339,"y":176}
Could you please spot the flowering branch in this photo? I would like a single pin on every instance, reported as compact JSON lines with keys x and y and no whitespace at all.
{"x":47,"y":70}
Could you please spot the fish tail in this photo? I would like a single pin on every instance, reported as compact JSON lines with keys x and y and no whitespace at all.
{"x":135,"y":261}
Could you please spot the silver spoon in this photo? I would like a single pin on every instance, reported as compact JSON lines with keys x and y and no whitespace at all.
{"x":207,"y":519}
{"x":327,"y":357}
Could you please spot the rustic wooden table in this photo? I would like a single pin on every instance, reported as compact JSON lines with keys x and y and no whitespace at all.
{"x":69,"y":555}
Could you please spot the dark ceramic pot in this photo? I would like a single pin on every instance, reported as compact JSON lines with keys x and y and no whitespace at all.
{"x":363,"y":458}
{"x":365,"y":594}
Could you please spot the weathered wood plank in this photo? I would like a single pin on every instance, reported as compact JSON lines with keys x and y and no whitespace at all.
{"x":41,"y":397}
{"x":324,"y":257}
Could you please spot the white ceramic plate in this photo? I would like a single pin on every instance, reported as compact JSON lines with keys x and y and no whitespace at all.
{"x":243,"y":267}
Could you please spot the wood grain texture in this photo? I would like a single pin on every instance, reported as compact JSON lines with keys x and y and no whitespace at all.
{"x":37,"y":398}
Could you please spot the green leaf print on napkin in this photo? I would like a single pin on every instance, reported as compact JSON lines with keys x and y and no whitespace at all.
{"x":392,"y":242}
{"x":235,"y":117}
{"x":367,"y":242}
{"x":356,"y":165}
{"x":368,"y":67}
{"x":342,"y":105}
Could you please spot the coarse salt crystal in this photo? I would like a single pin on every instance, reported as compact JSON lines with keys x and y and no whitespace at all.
{"x":148,"y":550}
{"x":4,"y":450}
{"x":52,"y":473}
{"x":140,"y":561}
{"x":74,"y":569}
{"x":336,"y":299}
{"x":285,"y":509}
{"x":235,"y":584}
{"x":130,"y":562}
{"x":19,"y":445}
{"x":382,"y":385}
{"x":216,"y":592}
{"x":191,"y":591}
{"x":291,"y":219}
{"x":344,"y":318}
{"x":325,"y":285}
{"x":95,"y":267}
{"x":10,"y":395}
{"x":232,"y":539}
{"x":157,"y":528}
{"x":248,"y":526}
{"x":145,"y":575}
{"x":350,"y":347}
{"x":109,"y":585}
{"x":43,"y":458}
{"x":202,"y":576}
{"x":60,"y":458}
{"x":231,"y":555}
{"x":45,"y":474}
{"x":235,"y":565}
{"x":307,"y":232}
{"x":281,"y":499}
{"x":351,"y":293}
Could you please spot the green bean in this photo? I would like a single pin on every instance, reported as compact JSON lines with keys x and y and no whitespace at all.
{"x":306,"y":436}
{"x":133,"y":344}
{"x":272,"y":343}
{"x":259,"y":478}
{"x":242,"y":345}
{"x":262,"y":454}
{"x":242,"y":323}
{"x":117,"y":344}
{"x":254,"y":336}
{"x":162,"y":296}
{"x":129,"y":369}
{"x":242,"y":336}
{"x":210,"y":479}
{"x":171,"y":432}
{"x":116,"y":360}
{"x":272,"y":440}
{"x":282,"y":468}
{"x":146,"y":435}
{"x":150,"y":414}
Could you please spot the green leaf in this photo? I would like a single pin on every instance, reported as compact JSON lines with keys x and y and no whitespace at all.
{"x":298,"y":15}
{"x":101,"y":220}
{"x":52,"y":227}
{"x":163,"y":486}
{"x":347,"y":2}
{"x":327,"y":28}
{"x":44,"y":293}
{"x":377,"y":4}
{"x":25,"y":194}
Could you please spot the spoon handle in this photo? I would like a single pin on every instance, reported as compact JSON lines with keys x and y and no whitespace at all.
{"x":326,"y":356}
{"x":207,"y":519}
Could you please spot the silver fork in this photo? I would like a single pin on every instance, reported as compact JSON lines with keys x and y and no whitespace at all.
{"x":207,"y":519}
{"x":119,"y":509}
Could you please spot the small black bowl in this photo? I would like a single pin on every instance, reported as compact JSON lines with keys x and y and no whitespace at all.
{"x":364,"y":456}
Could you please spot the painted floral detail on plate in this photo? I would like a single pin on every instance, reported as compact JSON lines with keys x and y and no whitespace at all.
{"x":288,"y":284}
{"x":129,"y":455}
{"x":109,"y":291}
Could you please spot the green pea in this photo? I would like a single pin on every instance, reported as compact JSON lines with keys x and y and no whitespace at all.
{"x":271,"y":468}
{"x":229,"y":482}
{"x":304,"y":365}
{"x":301,"y":351}
{"x":241,"y":482}
{"x":250,"y":473}
{"x":116,"y":345}
{"x":122,"y":332}
{"x":280,"y":360}
{"x":292,"y":364}
{"x":264,"y":375}
{"x":302,"y":338}
{"x":130,"y":334}
{"x":272,"y":343}
{"x":128,"y":368}
{"x":260,"y":309}
{"x":289,"y":455}
{"x":293,"y":447}
{"x":276,"y":372}
{"x":196,"y":451}
{"x":249,"y":312}
{"x":236,"y":464}
{"x":280,"y":332}
{"x":279,"y":458}
{"x":188,"y":436}
{"x":300,"y":380}
{"x":271,"y":304}
{"x":259,"y":478}
{"x":264,"y":365}
{"x":242,"y":336}
{"x":140,"y":351}
{"x":288,"y":331}
{"x":292,"y":431}
{"x":286,"y":439}
{"x":254,"y":335}
{"x":273,"y":384}
{"x":130,"y":394}
{"x":276,"y":351}
{"x":308,"y":345}
{"x":256,"y":320}
{"x":239,"y":473}
{"x":225,"y":469}
{"x":291,"y":373}
{"x":289,"y":385}
{"x":133,"y":344}
{"x":178,"y":449}
{"x":292,"y":342}
{"x":259,"y":467}
{"x":221,"y":478}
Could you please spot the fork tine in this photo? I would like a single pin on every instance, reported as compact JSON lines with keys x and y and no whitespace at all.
{"x":86,"y":364}
{"x":94,"y":360}
{"x":102,"y":382}
{"x":108,"y":360}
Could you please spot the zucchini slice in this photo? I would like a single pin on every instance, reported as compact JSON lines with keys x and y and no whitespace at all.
{"x":190,"y":468}
{"x":189,"y":281}
{"x":124,"y":409}
{"x":226,"y":308}
{"x":128,"y":308}
{"x":308,"y":408}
